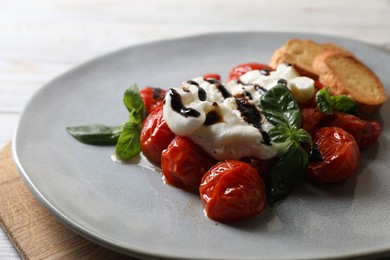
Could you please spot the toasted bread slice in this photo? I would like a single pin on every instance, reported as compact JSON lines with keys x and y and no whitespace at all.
{"x":347,"y":75}
{"x":301,"y":54}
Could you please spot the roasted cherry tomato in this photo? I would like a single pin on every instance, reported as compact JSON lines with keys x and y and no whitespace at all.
{"x":212,"y":76}
{"x":184,"y":163}
{"x":263,"y":167}
{"x":155,"y":135}
{"x":312,"y":118}
{"x":232,"y":190}
{"x":152,"y":97}
{"x":339,"y":156}
{"x":241,"y":69}
{"x":365,"y":132}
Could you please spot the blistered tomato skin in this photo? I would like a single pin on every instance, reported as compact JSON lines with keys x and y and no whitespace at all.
{"x":365,"y":132}
{"x":263,"y":167}
{"x":184,"y":163}
{"x":155,"y":135}
{"x":312,"y":119}
{"x":232,"y":190}
{"x":340,"y":156}
{"x":241,"y":69}
{"x":152,"y":97}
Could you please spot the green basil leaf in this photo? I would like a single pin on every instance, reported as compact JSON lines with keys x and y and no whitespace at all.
{"x":126,"y":137}
{"x":323,"y":101}
{"x":287,"y":173}
{"x":303,"y":136}
{"x":96,"y":134}
{"x":328,"y":103}
{"x":129,"y":144}
{"x":280,"y":133}
{"x":134,"y":104}
{"x":344,"y":104}
{"x":279,"y":106}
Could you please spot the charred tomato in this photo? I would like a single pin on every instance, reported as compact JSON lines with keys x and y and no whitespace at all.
{"x":339,"y":156}
{"x":155,"y":135}
{"x":184,"y":163}
{"x":232,"y":190}
{"x":152,"y":97}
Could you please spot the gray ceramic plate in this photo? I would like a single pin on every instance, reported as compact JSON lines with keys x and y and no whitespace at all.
{"x":129,"y":209}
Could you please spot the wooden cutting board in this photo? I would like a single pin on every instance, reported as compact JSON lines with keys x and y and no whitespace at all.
{"x":35,"y":233}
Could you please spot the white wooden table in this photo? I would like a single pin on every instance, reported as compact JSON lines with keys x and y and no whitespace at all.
{"x":41,"y":39}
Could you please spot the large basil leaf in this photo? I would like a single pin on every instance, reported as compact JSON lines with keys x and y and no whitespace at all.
{"x":125,"y":137}
{"x":129,"y":145}
{"x":280,"y":133}
{"x":287,"y":173}
{"x":96,"y":134}
{"x":279,"y":106}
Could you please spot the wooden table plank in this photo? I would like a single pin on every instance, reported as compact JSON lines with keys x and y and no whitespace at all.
{"x":34,"y":231}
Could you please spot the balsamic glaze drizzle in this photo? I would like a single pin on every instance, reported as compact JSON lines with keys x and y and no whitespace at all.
{"x":260,"y":89}
{"x":212,"y":81}
{"x":248,"y":111}
{"x":315,"y":154}
{"x":265,"y":72}
{"x":225,"y":93}
{"x":252,"y":116}
{"x":282,"y":81}
{"x":156,"y":93}
{"x":248,"y":94}
{"x":257,"y":87}
{"x":201,"y":92}
{"x":212,"y":117}
{"x":266,"y":138}
{"x":177,"y":105}
{"x":242,"y":83}
{"x":193,"y":82}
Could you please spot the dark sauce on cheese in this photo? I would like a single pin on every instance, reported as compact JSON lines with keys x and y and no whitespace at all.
{"x":248,"y":94}
{"x":265,"y":72}
{"x":201,"y":92}
{"x":212,"y":117}
{"x":177,"y":105}
{"x":225,"y":93}
{"x":260,"y":89}
{"x":282,"y":81}
{"x":252,"y":116}
{"x":248,"y":112}
{"x":257,"y":87}
{"x":212,"y":81}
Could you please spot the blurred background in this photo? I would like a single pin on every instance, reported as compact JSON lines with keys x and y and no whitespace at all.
{"x":41,"y":39}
